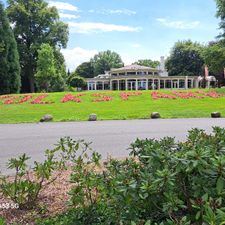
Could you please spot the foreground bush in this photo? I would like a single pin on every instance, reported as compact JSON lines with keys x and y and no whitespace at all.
{"x":162,"y":182}
{"x":25,"y":187}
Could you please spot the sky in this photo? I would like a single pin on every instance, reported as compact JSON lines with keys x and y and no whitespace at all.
{"x":135,"y":29}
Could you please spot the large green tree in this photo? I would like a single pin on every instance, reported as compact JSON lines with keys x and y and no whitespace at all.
{"x":46,"y":72}
{"x":147,"y":62}
{"x":61,"y":74}
{"x":85,"y":70}
{"x":35,"y":23}
{"x":76,"y":81}
{"x":104,"y":61}
{"x":214,"y":57}
{"x":10,"y":81}
{"x":185,"y":59}
{"x":221,"y":14}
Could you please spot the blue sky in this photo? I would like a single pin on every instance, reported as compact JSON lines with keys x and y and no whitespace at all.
{"x":136,"y":29}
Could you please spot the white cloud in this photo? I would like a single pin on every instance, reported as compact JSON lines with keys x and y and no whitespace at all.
{"x":63,"y":6}
{"x":68,"y":16}
{"x":129,"y":58}
{"x":74,"y":57}
{"x":136,"y":45}
{"x":114,"y":11}
{"x":178,"y":24}
{"x":90,"y":27}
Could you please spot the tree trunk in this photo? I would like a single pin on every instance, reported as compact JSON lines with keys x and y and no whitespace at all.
{"x":31,"y":81}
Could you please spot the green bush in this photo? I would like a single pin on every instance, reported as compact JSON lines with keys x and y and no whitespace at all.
{"x":163,"y":182}
{"x":25,"y":187}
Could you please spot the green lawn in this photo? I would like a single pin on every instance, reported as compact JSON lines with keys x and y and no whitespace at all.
{"x":137,"y":107}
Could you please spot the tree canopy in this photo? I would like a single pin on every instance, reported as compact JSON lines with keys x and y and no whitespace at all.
{"x":45,"y":67}
{"x":85,"y":70}
{"x":76,"y":81}
{"x":147,"y":62}
{"x":10,"y":80}
{"x":35,"y":23}
{"x":221,"y":14}
{"x":214,"y":56}
{"x":104,"y":61}
{"x":185,"y":59}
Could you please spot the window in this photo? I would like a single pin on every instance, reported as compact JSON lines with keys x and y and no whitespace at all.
{"x":131,"y":73}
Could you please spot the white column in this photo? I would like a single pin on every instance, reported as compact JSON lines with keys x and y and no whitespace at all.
{"x":153,"y":84}
{"x":158,"y":84}
{"x":136,"y":85}
{"x":208,"y":84}
{"x":192,"y":83}
{"x":95,"y":86}
{"x":103,"y":88}
{"x":118,"y":83}
{"x":196,"y":83}
{"x":164,"y":84}
{"x":88,"y":86}
{"x":178,"y":83}
{"x":186,"y":82}
{"x":146,"y":87}
{"x":126,"y":86}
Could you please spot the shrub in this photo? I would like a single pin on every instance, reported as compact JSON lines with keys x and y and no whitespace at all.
{"x":26,"y":185}
{"x":163,"y":182}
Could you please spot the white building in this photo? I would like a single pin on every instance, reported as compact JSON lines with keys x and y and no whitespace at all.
{"x":136,"y":77}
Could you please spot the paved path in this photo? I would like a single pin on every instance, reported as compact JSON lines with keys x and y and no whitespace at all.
{"x":108,"y":137}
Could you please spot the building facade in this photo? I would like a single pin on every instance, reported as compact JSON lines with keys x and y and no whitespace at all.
{"x":136,"y":77}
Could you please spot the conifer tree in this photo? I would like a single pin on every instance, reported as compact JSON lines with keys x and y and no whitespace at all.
{"x":10,"y":80}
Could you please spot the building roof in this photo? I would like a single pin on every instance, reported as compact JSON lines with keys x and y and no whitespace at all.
{"x":134,"y":67}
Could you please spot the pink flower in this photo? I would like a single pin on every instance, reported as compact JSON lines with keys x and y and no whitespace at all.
{"x":125,"y":95}
{"x":38,"y":100}
{"x":70,"y":97}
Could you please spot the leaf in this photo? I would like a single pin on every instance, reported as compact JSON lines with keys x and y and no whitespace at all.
{"x":198,"y":215}
{"x":220,"y":185}
{"x":148,"y":222}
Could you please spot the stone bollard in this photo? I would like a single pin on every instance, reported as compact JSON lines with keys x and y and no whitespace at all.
{"x":215,"y":114}
{"x":46,"y":118}
{"x":155,"y":115}
{"x":92,"y":117}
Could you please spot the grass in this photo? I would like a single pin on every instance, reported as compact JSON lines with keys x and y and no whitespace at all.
{"x":137,"y":107}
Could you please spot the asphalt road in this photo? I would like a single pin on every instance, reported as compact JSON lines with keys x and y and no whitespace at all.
{"x":108,"y":137}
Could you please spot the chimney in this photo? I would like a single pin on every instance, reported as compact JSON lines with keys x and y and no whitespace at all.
{"x":162,"y":63}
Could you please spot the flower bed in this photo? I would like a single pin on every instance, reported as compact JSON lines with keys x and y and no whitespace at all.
{"x":39,"y":100}
{"x":106,"y":97}
{"x":70,"y":97}
{"x":125,"y":95}
{"x":185,"y":95}
{"x":101,"y":97}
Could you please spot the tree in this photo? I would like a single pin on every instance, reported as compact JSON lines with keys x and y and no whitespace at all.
{"x":59,"y":82}
{"x":185,"y":59}
{"x":85,"y":70}
{"x":104,"y":61}
{"x":147,"y":62}
{"x":214,"y":56}
{"x":10,"y":80}
{"x":76,"y":81}
{"x":35,"y":23}
{"x":46,"y":71}
{"x":221,"y":14}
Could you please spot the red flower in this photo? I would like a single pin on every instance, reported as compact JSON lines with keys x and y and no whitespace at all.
{"x":125,"y":95}
{"x":70,"y":97}
{"x":38,"y":100}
